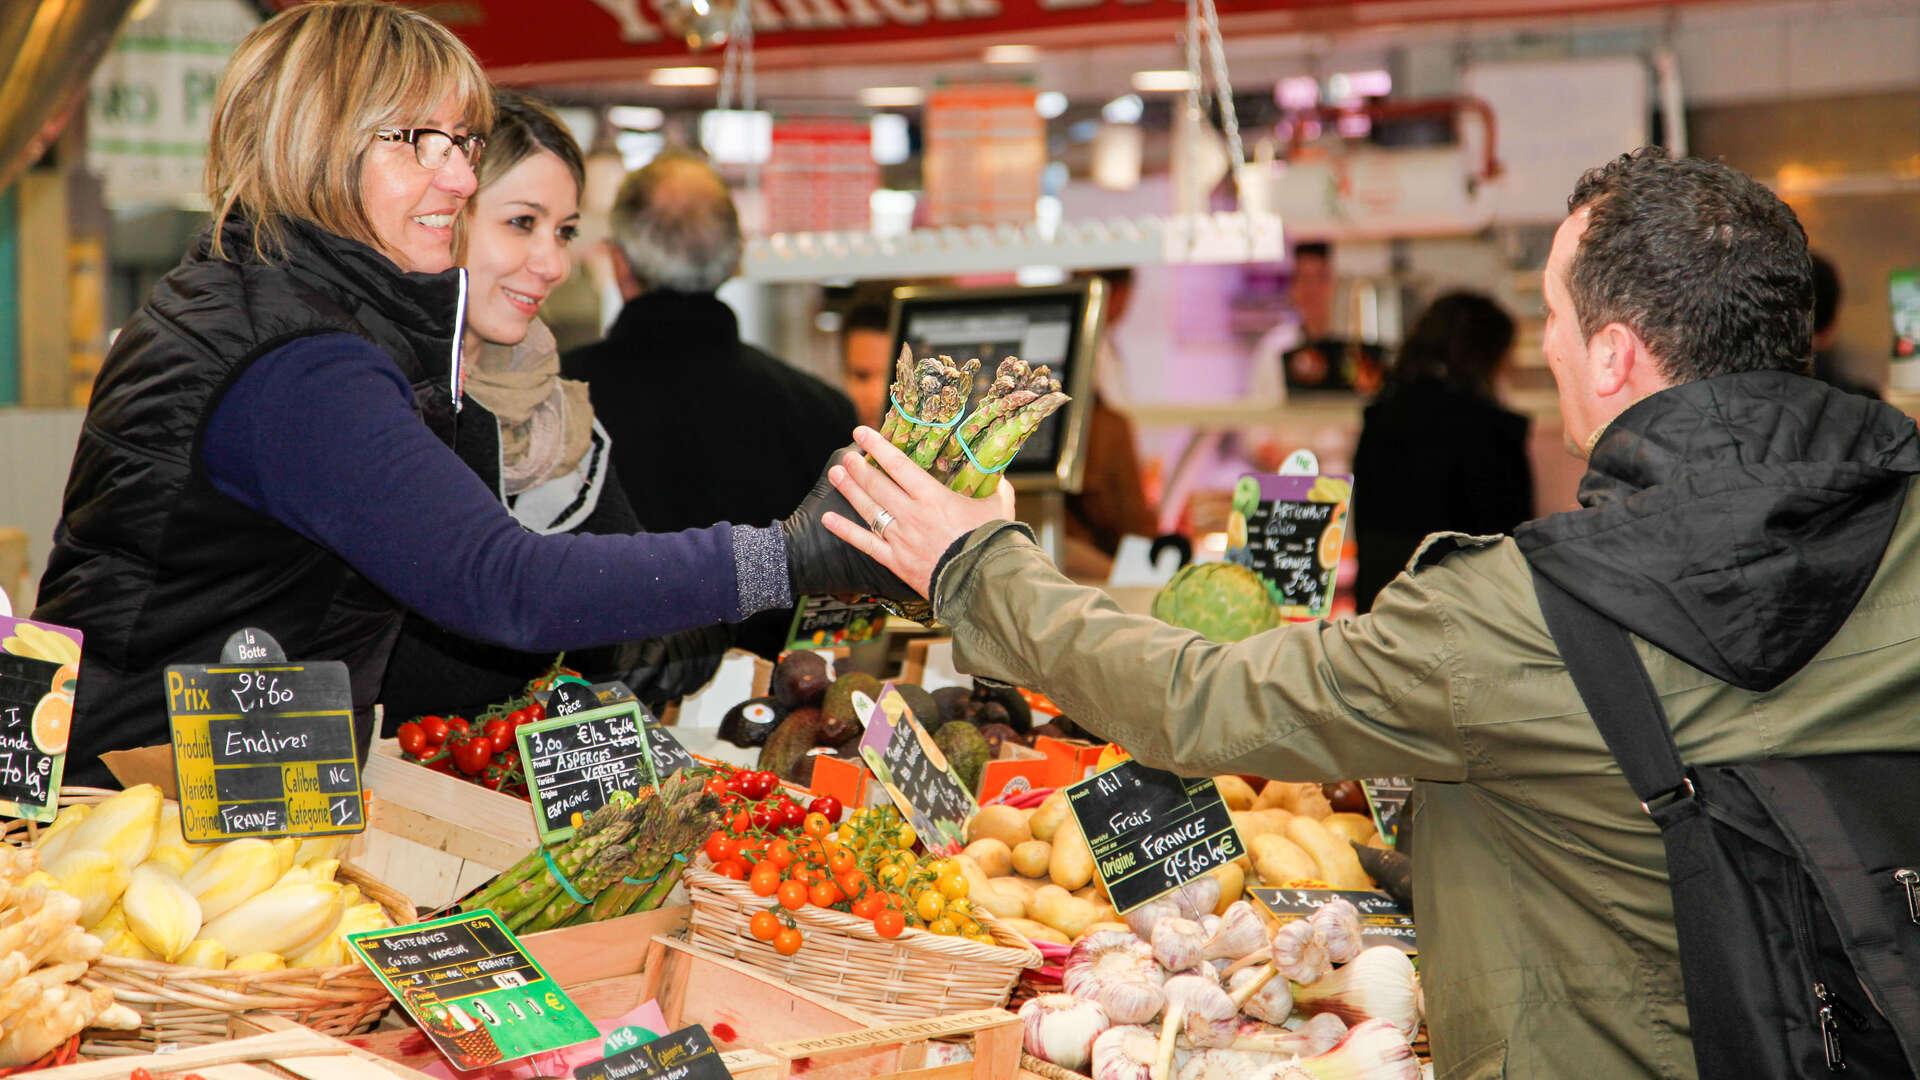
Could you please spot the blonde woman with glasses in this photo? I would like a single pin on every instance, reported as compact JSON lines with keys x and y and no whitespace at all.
{"x":270,"y":441}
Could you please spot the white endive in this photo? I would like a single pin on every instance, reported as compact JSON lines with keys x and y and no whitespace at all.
{"x":1061,"y":1028}
{"x":1379,"y":983}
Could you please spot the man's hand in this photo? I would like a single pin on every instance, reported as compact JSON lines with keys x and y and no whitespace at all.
{"x":925,"y":516}
{"x":820,"y":565}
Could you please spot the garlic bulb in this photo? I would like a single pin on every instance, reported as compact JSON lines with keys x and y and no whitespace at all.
{"x":1238,"y":933}
{"x":1117,"y":970}
{"x":1316,"y":1036}
{"x":1272,"y":1002}
{"x":1339,"y":924}
{"x":1143,"y":919}
{"x":1220,"y":1065}
{"x":1177,"y":943}
{"x":1372,"y":1051}
{"x":1198,"y":897}
{"x":1379,"y":983}
{"x":1300,"y":952}
{"x":1061,"y":1028}
{"x":1200,"y":971}
{"x":1188,"y":994}
{"x":1124,"y":1053}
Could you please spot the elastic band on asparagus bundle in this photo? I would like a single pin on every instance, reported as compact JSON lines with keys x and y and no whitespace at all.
{"x":929,"y":400}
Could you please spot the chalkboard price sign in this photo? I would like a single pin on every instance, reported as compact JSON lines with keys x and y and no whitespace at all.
{"x":669,"y":756}
{"x":39,"y":672}
{"x":1382,"y":922}
{"x":916,"y":775}
{"x":1387,"y":797}
{"x":263,"y":747}
{"x":473,"y":989}
{"x":576,"y":763}
{"x":1151,"y":831}
{"x":687,"y":1054}
{"x":1289,"y":530}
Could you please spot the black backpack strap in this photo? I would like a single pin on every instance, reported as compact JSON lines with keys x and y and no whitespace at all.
{"x":1618,"y":693}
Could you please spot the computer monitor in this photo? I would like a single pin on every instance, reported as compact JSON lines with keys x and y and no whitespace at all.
{"x":1058,"y":326}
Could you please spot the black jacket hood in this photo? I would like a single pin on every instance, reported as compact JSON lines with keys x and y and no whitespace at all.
{"x":1734,"y":521}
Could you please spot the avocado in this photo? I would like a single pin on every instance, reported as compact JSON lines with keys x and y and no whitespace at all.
{"x":789,"y":743}
{"x":750,"y":722}
{"x":1019,"y":713}
{"x":801,"y":679}
{"x":966,"y":751}
{"x":951,"y":703}
{"x":843,"y":722}
{"x":997,"y":734}
{"x":919,"y":702}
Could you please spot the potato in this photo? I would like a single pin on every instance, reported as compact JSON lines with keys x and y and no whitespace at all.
{"x":1339,"y":866}
{"x":992,"y":855}
{"x":1273,"y":796}
{"x":1278,"y":860}
{"x":1002,"y":823}
{"x":1046,"y":820}
{"x":1065,"y":912}
{"x":1014,"y":886}
{"x":1355,"y":827}
{"x":1036,"y":931}
{"x":1252,"y":823}
{"x":1237,"y":792}
{"x":1031,"y":858}
{"x":1007,"y":903}
{"x":1232,"y":884}
{"x":1071,"y":865}
{"x":1303,"y":798}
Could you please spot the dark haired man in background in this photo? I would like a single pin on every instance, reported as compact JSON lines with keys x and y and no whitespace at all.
{"x":1749,"y":524}
{"x":705,"y":426}
{"x":1826,"y":313}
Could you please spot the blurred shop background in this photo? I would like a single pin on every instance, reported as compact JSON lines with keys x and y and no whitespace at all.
{"x":1414,"y":146}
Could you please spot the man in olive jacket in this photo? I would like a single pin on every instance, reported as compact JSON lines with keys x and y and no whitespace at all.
{"x":1750,"y":525}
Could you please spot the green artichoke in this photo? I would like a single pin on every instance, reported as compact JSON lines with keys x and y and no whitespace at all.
{"x":1220,"y":600}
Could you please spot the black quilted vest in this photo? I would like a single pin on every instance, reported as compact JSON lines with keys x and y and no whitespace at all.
{"x":154,"y":564}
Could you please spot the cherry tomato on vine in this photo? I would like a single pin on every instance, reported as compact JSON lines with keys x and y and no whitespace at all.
{"x":868,"y":906}
{"x":787,"y":941}
{"x":758,"y":785}
{"x":732,"y":868}
{"x":765,"y":880}
{"x":472,"y":756}
{"x":536,"y":712}
{"x":740,"y":822}
{"x":721,"y":847}
{"x":889,"y":923}
{"x":842,"y":860}
{"x":790,"y":815}
{"x":824,"y":893}
{"x":715,"y":785}
{"x":413,"y":739}
{"x":764,"y":925}
{"x":814,"y":825}
{"x":852,"y":883}
{"x":435,"y":729}
{"x":458,"y":725}
{"x":793,"y":895}
{"x":765,"y":817}
{"x":826,"y":806}
{"x":780,"y":853}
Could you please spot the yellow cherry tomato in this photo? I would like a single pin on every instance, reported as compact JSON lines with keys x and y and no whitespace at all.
{"x":952,"y":885}
{"x":944,"y":927}
{"x":930,"y":905}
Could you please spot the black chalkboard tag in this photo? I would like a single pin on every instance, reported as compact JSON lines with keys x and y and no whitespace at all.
{"x":915,"y":774}
{"x":687,"y":1054}
{"x":1289,"y":530}
{"x":669,"y":756}
{"x":1387,"y":799}
{"x":1382,"y":922}
{"x":1151,"y":831}
{"x":579,"y":759}
{"x":263,"y":746}
{"x":39,"y":673}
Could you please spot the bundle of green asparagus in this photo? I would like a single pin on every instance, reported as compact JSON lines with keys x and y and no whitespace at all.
{"x":934,"y":391}
{"x":625,"y":857}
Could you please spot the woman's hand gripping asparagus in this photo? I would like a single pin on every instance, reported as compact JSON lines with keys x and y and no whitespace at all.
{"x":910,"y":517}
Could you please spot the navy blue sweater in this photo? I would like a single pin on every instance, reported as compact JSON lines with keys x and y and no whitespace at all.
{"x":320,"y":435}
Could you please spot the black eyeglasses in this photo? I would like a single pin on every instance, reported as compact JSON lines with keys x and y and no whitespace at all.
{"x":432,"y":147}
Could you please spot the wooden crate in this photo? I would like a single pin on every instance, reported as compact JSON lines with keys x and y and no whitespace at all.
{"x":436,"y":837}
{"x":265,"y":1047}
{"x":767,"y":1029}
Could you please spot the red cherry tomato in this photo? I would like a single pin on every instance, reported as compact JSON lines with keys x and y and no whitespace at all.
{"x":793,"y":895}
{"x":889,"y":923}
{"x":413,"y":740}
{"x":472,"y":756}
{"x":732,"y":868}
{"x":827,"y":807}
{"x":435,"y":729}
{"x":458,"y":725}
{"x":721,"y":847}
{"x":716,"y":785}
{"x":791,"y":816}
{"x":536,"y":712}
{"x":765,"y":816}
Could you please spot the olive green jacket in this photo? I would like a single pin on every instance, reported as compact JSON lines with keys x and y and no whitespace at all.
{"x":1547,"y":934}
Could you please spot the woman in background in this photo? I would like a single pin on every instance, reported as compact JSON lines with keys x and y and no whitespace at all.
{"x":528,"y":433}
{"x":1437,"y":451}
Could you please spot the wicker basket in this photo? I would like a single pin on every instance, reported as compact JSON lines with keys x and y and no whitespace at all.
{"x":912,"y":977}
{"x":189,"y":1006}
